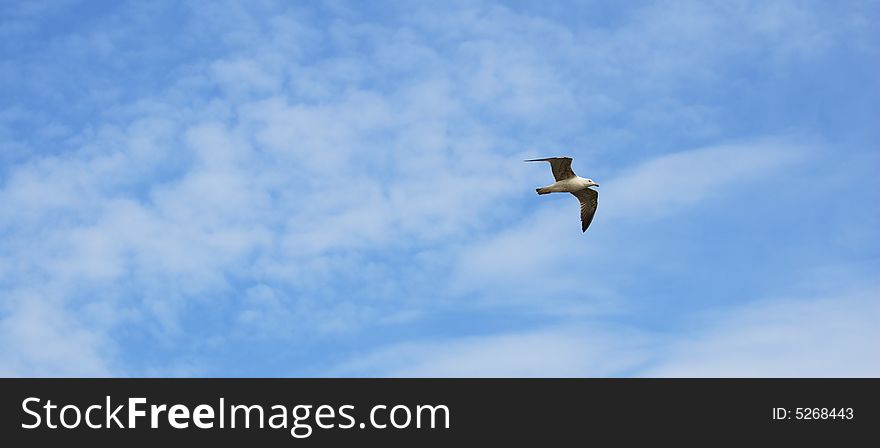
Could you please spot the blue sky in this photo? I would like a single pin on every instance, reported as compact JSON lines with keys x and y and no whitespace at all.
{"x":337,"y":189}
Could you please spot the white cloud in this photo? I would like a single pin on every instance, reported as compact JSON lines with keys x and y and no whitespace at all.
{"x":671,"y":182}
{"x":43,"y":338}
{"x":568,"y":350}
{"x":826,"y":337}
{"x":806,"y":337}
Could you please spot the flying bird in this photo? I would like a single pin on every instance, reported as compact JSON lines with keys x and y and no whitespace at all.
{"x":568,"y":182}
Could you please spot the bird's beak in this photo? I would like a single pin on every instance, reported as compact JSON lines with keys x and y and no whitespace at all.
{"x":595,"y":184}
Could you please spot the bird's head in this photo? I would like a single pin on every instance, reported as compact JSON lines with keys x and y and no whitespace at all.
{"x":590,"y":183}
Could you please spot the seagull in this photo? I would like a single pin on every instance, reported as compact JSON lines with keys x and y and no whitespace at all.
{"x":568,"y":182}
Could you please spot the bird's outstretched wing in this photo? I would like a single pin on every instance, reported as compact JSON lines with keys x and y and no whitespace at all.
{"x":589,"y":200}
{"x":561,"y":167}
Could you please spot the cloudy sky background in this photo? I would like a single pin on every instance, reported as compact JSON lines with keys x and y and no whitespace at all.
{"x":284,"y":189}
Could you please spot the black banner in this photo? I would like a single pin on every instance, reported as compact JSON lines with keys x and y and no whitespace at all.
{"x":407,"y":412}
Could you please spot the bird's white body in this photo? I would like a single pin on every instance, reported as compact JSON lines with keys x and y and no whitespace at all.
{"x":569,"y":185}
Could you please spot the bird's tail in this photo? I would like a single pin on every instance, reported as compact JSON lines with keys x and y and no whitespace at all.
{"x":543,"y":190}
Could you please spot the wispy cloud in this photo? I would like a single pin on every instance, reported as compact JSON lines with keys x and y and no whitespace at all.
{"x":803,"y":337}
{"x":790,"y":337}
{"x":43,"y":337}
{"x":564,"y":351}
{"x":667,"y":184}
